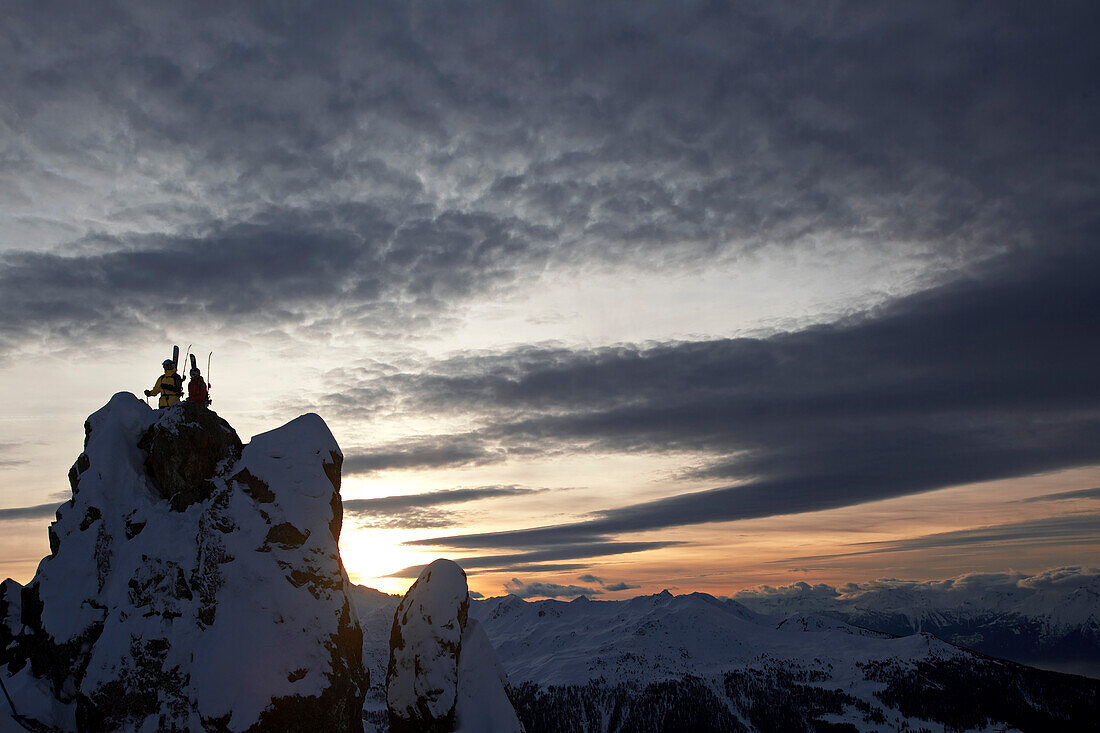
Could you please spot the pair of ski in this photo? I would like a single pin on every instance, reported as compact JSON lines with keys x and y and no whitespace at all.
{"x":176,"y":363}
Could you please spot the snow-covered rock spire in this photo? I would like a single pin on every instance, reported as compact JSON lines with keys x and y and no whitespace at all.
{"x":193,"y":583}
{"x":443,"y":674}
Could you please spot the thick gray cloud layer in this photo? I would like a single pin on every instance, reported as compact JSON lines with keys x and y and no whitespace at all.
{"x":373,"y":162}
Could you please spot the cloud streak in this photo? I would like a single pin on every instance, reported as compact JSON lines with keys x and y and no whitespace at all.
{"x":423,"y":453}
{"x":6,"y":463}
{"x":404,"y":502}
{"x":40,"y":511}
{"x":419,"y":511}
{"x":1065,"y":495}
{"x":538,"y":559}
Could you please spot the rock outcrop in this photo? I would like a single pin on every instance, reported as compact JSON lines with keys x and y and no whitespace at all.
{"x":443,"y":674}
{"x":194,"y":583}
{"x":185,"y":450}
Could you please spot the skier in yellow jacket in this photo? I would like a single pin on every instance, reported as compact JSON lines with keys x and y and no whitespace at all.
{"x":169,"y":385}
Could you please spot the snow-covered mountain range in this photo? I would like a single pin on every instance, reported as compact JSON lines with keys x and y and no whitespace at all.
{"x":1050,"y":619}
{"x":696,"y":662}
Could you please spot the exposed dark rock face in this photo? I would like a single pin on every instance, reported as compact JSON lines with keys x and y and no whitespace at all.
{"x":79,"y":466}
{"x":286,"y":535}
{"x":185,"y":449}
{"x":254,"y":487}
{"x":10,"y":611}
{"x":194,"y":583}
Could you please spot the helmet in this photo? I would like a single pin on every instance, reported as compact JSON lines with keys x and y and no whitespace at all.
{"x":167,"y":363}
{"x":194,"y":372}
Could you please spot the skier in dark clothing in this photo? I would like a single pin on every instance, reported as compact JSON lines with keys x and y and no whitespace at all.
{"x":169,"y":385}
{"x":196,"y":389}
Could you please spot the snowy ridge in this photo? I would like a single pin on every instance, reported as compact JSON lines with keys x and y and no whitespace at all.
{"x":482,"y":703}
{"x":812,"y":622}
{"x":654,"y":638}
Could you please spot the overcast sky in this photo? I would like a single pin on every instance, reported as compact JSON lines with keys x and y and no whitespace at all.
{"x":601,"y":296}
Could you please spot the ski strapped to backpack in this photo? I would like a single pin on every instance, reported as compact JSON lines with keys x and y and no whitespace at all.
{"x":177,"y":378}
